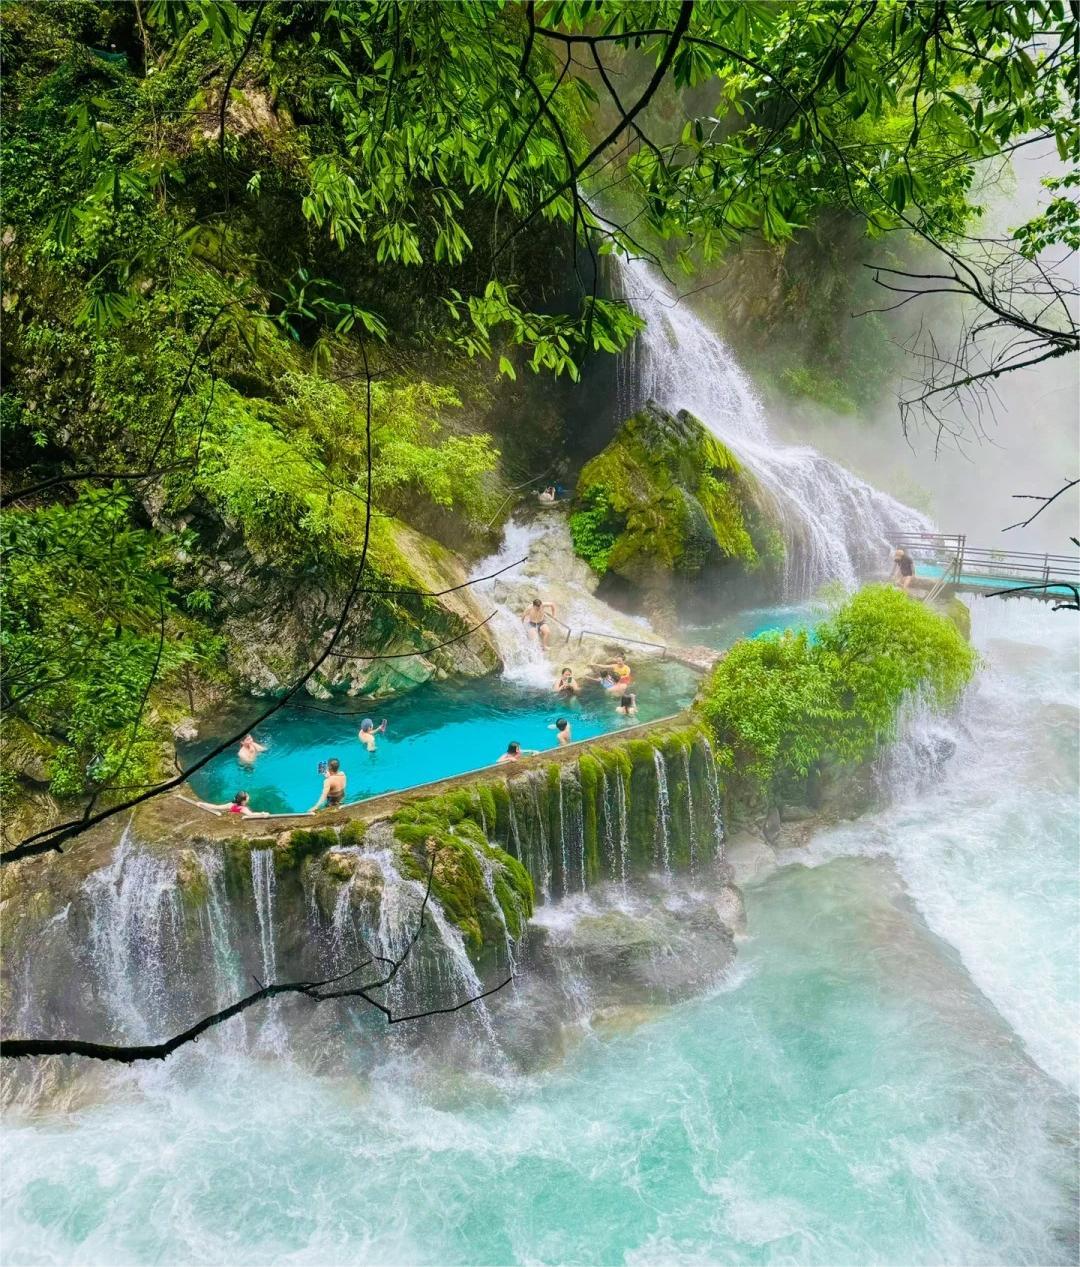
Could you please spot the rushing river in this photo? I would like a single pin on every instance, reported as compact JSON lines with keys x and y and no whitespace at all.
{"x":886,"y":1075}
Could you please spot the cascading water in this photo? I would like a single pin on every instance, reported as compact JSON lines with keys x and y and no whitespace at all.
{"x":836,"y":526}
{"x":663,"y":812}
{"x":553,"y":573}
{"x":136,"y":939}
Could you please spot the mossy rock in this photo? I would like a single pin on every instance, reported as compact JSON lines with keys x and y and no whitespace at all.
{"x":957,"y":611}
{"x":666,"y":499}
{"x":441,"y":827}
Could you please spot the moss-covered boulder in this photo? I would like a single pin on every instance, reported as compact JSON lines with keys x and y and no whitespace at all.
{"x":664,"y":502}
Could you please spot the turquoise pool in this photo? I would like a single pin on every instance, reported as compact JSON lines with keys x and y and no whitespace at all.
{"x":436,"y":731}
{"x":752,"y":624}
{"x":990,"y":582}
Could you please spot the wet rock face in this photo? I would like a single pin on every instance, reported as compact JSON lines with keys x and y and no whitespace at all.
{"x":654,"y":949}
{"x":275,"y":623}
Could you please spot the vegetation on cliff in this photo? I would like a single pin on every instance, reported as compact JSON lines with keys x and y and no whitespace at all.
{"x":666,"y":498}
{"x":782,"y":706}
{"x":234,"y":232}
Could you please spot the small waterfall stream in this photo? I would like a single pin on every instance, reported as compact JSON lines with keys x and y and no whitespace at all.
{"x":836,"y":526}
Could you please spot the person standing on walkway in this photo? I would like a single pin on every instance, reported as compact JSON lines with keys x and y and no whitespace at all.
{"x":903,"y":569}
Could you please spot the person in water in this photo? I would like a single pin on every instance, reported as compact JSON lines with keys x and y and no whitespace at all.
{"x":565,"y":683}
{"x":249,"y":750}
{"x":239,"y":805}
{"x":333,"y":788}
{"x":535,"y":620}
{"x":562,"y":727}
{"x":627,"y":706}
{"x":514,"y":752}
{"x":368,"y":731}
{"x":617,"y":673}
{"x":903,"y":569}
{"x":548,"y":495}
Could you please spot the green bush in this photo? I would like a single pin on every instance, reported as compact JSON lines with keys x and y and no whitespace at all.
{"x":594,"y":529}
{"x":781,"y":705}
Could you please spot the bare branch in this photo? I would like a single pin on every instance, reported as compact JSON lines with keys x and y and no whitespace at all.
{"x":316,"y":991}
{"x":1046,"y":501}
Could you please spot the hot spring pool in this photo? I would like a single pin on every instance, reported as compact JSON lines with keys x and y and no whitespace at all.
{"x":438,"y":730}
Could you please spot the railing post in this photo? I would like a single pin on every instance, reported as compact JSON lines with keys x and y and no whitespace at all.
{"x":1046,"y":569}
{"x":960,"y":556}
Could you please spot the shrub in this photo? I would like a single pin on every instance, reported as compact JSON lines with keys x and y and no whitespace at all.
{"x":594,"y":529}
{"x":781,"y":704}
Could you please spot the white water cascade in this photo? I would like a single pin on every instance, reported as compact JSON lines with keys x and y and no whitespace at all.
{"x":836,"y":526}
{"x":552,"y":572}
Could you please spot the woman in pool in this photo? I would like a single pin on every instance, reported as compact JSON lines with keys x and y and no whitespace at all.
{"x":238,"y":806}
{"x":618,"y":673}
{"x":565,"y":683}
{"x":368,"y":731}
{"x":514,"y":752}
{"x":249,"y":750}
{"x":627,"y":706}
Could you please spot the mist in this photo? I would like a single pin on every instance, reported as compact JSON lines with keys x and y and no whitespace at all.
{"x":1026,"y":443}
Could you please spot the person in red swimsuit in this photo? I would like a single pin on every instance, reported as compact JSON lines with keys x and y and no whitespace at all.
{"x":239,"y":806}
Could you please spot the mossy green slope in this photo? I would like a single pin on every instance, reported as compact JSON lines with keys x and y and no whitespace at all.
{"x":666,"y":498}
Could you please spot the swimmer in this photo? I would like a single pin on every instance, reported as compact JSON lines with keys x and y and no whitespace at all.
{"x":548,"y":495}
{"x":249,"y":750}
{"x":563,"y":728}
{"x":605,"y":680}
{"x":514,"y":752}
{"x":333,"y":788}
{"x":627,"y":706}
{"x":903,"y":569}
{"x":368,"y":731}
{"x":238,"y":806}
{"x":618,"y":668}
{"x":534,"y":617}
{"x":565,"y":683}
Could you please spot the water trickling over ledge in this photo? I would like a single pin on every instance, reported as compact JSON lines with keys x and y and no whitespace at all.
{"x":128,"y":941}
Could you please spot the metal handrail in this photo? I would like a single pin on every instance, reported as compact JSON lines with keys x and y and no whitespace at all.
{"x":516,"y":489}
{"x":638,"y":642}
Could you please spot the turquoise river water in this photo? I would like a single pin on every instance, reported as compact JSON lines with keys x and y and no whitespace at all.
{"x":887,"y":1075}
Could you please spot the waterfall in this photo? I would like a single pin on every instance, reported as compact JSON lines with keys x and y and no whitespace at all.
{"x":624,"y":826}
{"x":691,"y":824}
{"x":836,"y":526}
{"x":550,"y":571}
{"x":663,"y":811}
{"x":264,"y":884}
{"x":136,"y":939}
{"x":712,"y":784}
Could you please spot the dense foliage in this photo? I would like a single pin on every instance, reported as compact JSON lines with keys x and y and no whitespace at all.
{"x":223,"y":219}
{"x":781,"y":705}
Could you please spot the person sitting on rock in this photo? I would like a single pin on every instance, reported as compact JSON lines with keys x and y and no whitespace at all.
{"x":562,"y":727}
{"x":534,"y":618}
{"x":548,"y":495}
{"x":565,"y":683}
{"x":249,"y":750}
{"x":627,"y":706}
{"x":368,"y":731}
{"x":238,"y":806}
{"x":333,"y":790}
